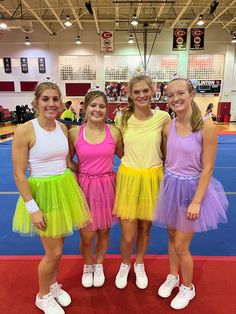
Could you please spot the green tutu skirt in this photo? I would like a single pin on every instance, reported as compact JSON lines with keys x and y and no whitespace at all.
{"x":61,"y":200}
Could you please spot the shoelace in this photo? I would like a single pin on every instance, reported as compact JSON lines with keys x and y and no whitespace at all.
{"x":183,"y":292}
{"x":98,"y":269}
{"x":56,"y":290}
{"x":169,"y":281}
{"x":50,"y":302}
{"x":140,"y":270}
{"x":88,"y":269}
{"x":123,"y":270}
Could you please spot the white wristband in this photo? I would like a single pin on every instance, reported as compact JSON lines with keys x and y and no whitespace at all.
{"x":31,"y":206}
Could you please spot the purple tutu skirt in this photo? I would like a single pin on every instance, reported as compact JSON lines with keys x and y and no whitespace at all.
{"x":175,"y":195}
{"x":99,"y":191}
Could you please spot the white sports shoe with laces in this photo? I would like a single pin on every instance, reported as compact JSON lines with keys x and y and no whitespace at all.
{"x":122,"y":276}
{"x":167,"y":287}
{"x":87,"y":277}
{"x":141,"y":277}
{"x":98,"y":275}
{"x":184,"y":296}
{"x":48,"y":304}
{"x":60,"y":295}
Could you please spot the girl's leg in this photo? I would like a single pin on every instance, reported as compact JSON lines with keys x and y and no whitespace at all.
{"x":172,"y":279}
{"x":141,"y":248}
{"x":87,"y":245}
{"x":173,"y":257}
{"x":129,"y":232}
{"x":103,"y":238}
{"x":87,"y":238}
{"x":182,"y":243}
{"x":142,"y":240}
{"x":187,"y":290}
{"x":48,"y":266}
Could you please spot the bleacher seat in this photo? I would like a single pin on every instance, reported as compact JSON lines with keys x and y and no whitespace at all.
{"x":5,"y":114}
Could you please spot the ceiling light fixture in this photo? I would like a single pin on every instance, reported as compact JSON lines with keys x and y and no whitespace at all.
{"x":3,"y":25}
{"x":68,"y":22}
{"x":200,"y":21}
{"x":27,"y":41}
{"x":134,"y":21}
{"x":78,"y":41}
{"x":131,"y":40}
{"x":233,"y":40}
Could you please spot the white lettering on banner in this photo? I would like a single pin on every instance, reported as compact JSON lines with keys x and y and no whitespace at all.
{"x":208,"y":83}
{"x":107,"y":41}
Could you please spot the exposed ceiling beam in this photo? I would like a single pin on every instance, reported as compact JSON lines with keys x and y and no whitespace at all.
{"x":75,"y":14}
{"x":230,"y":22}
{"x":160,"y":11}
{"x":138,"y":11}
{"x":96,"y":21}
{"x":200,"y":13}
{"x":54,"y":13}
{"x":117,"y":16}
{"x":222,"y":12}
{"x":181,"y":13}
{"x":5,"y":10}
{"x":36,"y":16}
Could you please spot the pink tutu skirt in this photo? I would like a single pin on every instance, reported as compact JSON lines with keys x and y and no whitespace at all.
{"x":176,"y":194}
{"x":99,"y":191}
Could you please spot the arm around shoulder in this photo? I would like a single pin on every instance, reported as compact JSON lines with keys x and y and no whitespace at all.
{"x":117,"y":135}
{"x":72,"y":138}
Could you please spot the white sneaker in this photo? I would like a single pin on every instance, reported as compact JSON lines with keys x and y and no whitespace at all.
{"x":61,"y":296}
{"x":48,"y":304}
{"x":167,"y":287}
{"x":184,"y":296}
{"x":122,"y":276}
{"x":87,"y":278}
{"x":98,"y":275}
{"x":141,"y":277}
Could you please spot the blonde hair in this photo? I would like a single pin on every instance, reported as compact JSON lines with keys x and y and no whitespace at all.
{"x":196,"y":119}
{"x":40,"y":88}
{"x":127,"y":113}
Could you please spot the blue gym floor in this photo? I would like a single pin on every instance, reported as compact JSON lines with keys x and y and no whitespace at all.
{"x":220,"y":242}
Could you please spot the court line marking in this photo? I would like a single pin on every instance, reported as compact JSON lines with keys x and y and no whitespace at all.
{"x":228,"y":258}
{"x":15,"y":193}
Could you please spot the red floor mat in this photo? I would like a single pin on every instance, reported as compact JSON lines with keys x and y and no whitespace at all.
{"x":214,"y":280}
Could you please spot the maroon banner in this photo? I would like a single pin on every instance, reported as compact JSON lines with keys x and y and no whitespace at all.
{"x":197,"y":39}
{"x":179,"y":39}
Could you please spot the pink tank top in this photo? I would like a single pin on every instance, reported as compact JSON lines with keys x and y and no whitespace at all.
{"x":95,"y":159}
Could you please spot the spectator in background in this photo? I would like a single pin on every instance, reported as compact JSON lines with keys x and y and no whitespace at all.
{"x":68,"y":114}
{"x":209,"y":112}
{"x":18,"y":114}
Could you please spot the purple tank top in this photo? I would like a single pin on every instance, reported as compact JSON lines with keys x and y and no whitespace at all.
{"x":95,"y":159}
{"x":184,"y":153}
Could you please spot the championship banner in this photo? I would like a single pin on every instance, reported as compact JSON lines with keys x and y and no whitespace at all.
{"x":107,"y":40}
{"x":197,"y":39}
{"x":179,"y":39}
{"x":24,"y":65}
{"x":41,"y":64}
{"x":7,"y":65}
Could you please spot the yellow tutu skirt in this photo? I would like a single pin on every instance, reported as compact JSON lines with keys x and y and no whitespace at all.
{"x":137,"y":192}
{"x":61,"y":200}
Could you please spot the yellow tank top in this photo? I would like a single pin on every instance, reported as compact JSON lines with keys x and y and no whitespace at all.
{"x":142,"y":140}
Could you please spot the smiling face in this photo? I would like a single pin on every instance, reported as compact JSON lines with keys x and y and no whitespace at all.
{"x":141,"y":94}
{"x":49,"y":104}
{"x":179,"y":95}
{"x":96,"y":110}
